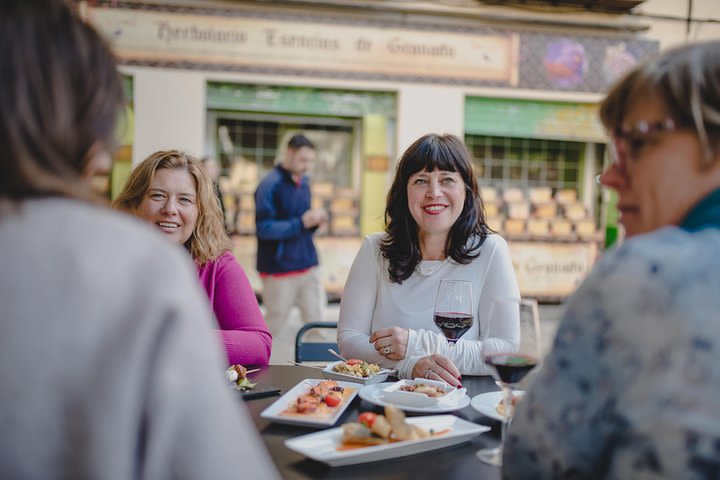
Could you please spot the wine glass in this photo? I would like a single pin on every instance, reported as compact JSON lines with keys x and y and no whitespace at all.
{"x":454,"y":309}
{"x":510,"y":365}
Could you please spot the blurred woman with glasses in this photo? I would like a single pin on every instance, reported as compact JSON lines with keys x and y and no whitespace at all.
{"x":631,"y":388}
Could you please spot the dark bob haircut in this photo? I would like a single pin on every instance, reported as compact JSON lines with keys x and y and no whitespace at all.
{"x":61,"y":96}
{"x":401,"y":245}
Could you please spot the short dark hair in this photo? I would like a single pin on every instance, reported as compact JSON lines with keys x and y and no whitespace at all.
{"x":401,"y":245}
{"x":298,"y":141}
{"x":61,"y":94}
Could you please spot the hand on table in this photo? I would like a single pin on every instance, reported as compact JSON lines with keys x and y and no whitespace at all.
{"x":391,"y":343}
{"x":437,"y":367}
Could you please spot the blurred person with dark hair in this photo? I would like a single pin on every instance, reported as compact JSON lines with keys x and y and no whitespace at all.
{"x":108,"y":364}
{"x":434,"y":229}
{"x":285,"y":224}
{"x":172,"y":191}
{"x":631,"y":388}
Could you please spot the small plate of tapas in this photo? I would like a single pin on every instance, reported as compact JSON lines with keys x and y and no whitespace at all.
{"x":380,"y":437}
{"x":422,"y":393}
{"x":357,"y":371}
{"x":378,"y":394}
{"x":312,"y":403}
{"x":491,"y":404}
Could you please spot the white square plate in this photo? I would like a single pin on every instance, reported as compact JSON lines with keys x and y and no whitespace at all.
{"x":332,"y":375}
{"x":322,"y":446}
{"x":395,"y":395}
{"x":274,"y":411}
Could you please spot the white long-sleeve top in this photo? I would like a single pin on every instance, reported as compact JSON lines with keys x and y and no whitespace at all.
{"x":371,"y":302}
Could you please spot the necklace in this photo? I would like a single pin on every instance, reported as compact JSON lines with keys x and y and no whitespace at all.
{"x":428,"y":267}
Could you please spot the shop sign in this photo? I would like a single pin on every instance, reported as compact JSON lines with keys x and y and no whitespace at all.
{"x":316,"y":47}
{"x":551,"y":270}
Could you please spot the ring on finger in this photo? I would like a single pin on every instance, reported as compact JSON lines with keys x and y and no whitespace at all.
{"x":428,"y":373}
{"x":387,"y":350}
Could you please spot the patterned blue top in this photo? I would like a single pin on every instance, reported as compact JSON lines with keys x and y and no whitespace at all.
{"x":631,"y":388}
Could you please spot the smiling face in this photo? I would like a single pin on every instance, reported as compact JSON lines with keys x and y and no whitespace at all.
{"x":171,"y":203}
{"x":659,"y":178}
{"x":435,"y":201}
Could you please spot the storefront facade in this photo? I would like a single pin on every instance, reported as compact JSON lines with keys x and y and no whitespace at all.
{"x":234,"y":84}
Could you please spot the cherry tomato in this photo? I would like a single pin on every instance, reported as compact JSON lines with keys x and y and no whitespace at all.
{"x":354,"y":361}
{"x":332,"y":400}
{"x":367,"y":418}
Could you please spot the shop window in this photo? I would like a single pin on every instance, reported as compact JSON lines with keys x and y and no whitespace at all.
{"x":249,"y":148}
{"x":526,"y":162}
{"x":530,"y":187}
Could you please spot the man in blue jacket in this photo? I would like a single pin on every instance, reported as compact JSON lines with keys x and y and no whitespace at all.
{"x":285,"y":224}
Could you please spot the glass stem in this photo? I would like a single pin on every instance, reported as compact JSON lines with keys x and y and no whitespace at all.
{"x":507,"y":404}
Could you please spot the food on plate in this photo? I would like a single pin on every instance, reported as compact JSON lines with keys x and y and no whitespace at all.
{"x":500,"y":408}
{"x":238,"y":374}
{"x":433,"y":391}
{"x":372,"y":429}
{"x":320,"y":400}
{"x":357,"y":368}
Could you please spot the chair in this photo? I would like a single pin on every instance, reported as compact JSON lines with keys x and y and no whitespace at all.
{"x":314,"y":351}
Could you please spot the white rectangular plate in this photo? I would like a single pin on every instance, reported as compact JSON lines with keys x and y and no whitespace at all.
{"x":322,"y":446}
{"x":379,"y":377}
{"x":273,"y":412}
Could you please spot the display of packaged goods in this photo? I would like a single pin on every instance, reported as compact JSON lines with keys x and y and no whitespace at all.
{"x":560,"y":227}
{"x":538,"y":227}
{"x":343,"y":225}
{"x":575,"y":211}
{"x":545,"y":210}
{"x":488,"y":194}
{"x":519,"y":210}
{"x":322,"y":189}
{"x":513,"y":195}
{"x":514,"y":226}
{"x":317,"y":202}
{"x":247,"y":202}
{"x":566,"y":196}
{"x":246,"y":222}
{"x":492,"y":209}
{"x":342,"y":204}
{"x":345,"y":193}
{"x":540,"y":194}
{"x":585,"y":228}
{"x":495,"y":223}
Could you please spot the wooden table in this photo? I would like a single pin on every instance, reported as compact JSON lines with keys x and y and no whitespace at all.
{"x":456,"y":462}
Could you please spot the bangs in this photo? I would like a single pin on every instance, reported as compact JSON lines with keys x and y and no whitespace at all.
{"x":437,"y":155}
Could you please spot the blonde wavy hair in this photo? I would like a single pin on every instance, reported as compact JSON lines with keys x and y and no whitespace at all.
{"x":208,"y":240}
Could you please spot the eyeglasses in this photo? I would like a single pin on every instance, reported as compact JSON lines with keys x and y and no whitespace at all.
{"x":625,"y":142}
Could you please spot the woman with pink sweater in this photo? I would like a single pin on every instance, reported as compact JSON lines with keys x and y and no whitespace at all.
{"x":172,"y":191}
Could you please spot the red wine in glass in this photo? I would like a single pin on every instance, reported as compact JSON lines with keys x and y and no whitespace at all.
{"x":453,"y":325}
{"x":511,"y":367}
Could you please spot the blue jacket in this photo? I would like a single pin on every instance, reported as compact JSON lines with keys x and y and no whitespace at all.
{"x":284,"y":244}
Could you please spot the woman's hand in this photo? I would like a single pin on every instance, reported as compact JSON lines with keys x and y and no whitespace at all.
{"x":391,"y":343}
{"x":437,"y":367}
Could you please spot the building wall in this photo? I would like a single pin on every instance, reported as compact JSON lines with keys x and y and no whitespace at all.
{"x":170,"y":103}
{"x":673,"y":30}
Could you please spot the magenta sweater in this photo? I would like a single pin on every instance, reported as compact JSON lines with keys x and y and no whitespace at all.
{"x":243,"y":330}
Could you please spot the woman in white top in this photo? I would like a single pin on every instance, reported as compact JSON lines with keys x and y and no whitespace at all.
{"x":435,"y":229}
